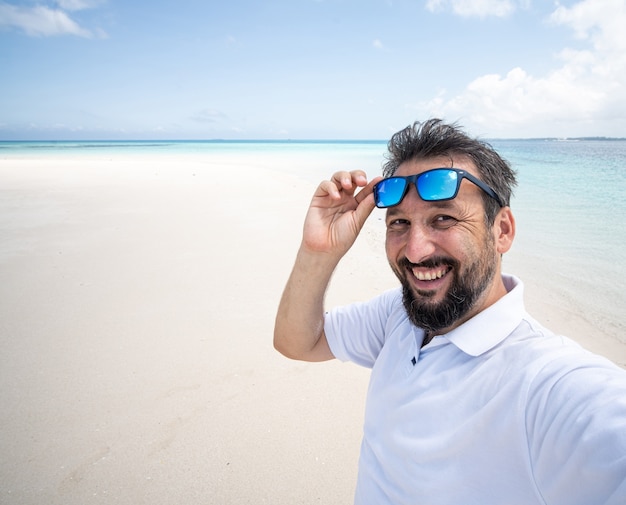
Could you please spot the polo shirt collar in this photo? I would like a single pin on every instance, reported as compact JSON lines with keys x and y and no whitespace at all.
{"x":491,"y":326}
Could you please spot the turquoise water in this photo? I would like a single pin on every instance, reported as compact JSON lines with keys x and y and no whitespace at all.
{"x":570,"y":207}
{"x":104,"y":147}
{"x":570,"y":204}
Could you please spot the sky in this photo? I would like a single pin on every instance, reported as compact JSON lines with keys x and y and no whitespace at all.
{"x":310,"y":69}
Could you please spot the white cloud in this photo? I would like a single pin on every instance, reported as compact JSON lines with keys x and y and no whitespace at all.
{"x":43,"y":21}
{"x":475,"y":8}
{"x":601,"y":21}
{"x":377,"y":44}
{"x":587,"y":89}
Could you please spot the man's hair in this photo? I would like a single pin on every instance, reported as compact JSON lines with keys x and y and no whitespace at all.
{"x":434,"y":138}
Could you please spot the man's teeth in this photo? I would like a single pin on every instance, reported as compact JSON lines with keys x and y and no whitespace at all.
{"x":430,"y":275}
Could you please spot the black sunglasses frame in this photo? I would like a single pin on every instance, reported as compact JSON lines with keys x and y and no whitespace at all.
{"x":462,"y":174}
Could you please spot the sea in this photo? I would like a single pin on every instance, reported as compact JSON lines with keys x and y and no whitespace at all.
{"x":570,"y":203}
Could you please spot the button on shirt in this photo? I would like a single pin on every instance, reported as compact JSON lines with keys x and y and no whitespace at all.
{"x":498,"y":411}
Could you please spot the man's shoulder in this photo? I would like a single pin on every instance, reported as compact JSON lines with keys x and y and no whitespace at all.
{"x":547,"y":354}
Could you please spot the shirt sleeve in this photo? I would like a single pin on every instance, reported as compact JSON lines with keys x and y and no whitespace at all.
{"x":357,"y":332}
{"x":577,"y":433}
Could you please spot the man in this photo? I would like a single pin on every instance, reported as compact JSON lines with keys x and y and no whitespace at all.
{"x":471,"y":401}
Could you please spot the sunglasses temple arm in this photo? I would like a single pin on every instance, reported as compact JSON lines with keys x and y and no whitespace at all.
{"x":487,"y":190}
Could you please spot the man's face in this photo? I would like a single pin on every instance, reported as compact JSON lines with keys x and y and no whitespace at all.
{"x":442,"y":252}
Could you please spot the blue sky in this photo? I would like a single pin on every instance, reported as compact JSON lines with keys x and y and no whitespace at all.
{"x":310,"y":69}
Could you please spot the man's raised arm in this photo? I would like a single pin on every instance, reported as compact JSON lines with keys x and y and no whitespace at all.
{"x":334,"y":220}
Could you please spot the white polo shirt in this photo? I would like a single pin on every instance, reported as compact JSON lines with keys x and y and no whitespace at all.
{"x":500,"y":411}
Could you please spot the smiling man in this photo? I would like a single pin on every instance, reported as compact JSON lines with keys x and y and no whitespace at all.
{"x":441,"y":250}
{"x":471,"y":401}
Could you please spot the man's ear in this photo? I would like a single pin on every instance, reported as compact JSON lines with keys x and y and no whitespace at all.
{"x":504,"y":230}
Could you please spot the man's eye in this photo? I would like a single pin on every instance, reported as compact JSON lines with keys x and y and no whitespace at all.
{"x":444,"y":221}
{"x":396,"y":224}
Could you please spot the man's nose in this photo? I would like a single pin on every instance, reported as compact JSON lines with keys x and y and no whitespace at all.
{"x":420,"y":244}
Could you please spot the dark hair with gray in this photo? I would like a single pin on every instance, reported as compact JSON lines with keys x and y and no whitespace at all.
{"x":434,"y":138}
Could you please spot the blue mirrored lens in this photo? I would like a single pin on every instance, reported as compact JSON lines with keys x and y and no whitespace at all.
{"x":438,"y":185}
{"x":389,"y":192}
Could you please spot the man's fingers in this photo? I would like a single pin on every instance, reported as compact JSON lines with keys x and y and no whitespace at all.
{"x":367,"y":190}
{"x":349,"y":181}
{"x":345,"y":184}
{"x":365,"y":202}
{"x":328,"y":188}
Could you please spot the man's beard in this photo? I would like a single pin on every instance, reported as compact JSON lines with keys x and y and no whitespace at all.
{"x":465,"y":291}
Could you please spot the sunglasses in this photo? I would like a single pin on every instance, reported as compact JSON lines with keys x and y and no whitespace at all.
{"x":432,"y":186}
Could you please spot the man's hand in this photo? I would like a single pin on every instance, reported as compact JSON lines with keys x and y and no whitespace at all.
{"x":338,"y":212}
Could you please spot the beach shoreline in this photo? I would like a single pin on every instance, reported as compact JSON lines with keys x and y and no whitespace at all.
{"x":138,"y":298}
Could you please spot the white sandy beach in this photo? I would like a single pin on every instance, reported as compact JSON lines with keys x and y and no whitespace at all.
{"x":137,"y":300}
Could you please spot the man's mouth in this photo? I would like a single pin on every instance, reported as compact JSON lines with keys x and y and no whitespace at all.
{"x":427,"y":275}
{"x":430,"y":274}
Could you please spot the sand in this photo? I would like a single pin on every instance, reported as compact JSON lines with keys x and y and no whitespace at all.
{"x":137,"y":299}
